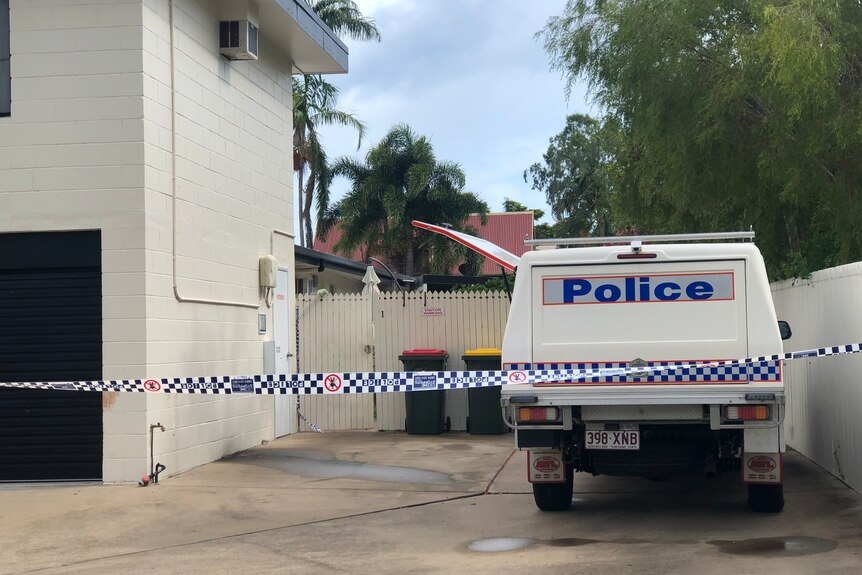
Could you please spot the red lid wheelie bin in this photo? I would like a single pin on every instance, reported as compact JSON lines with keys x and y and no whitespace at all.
{"x":426,"y":410}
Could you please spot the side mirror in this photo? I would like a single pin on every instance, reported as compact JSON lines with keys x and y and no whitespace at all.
{"x":784,"y":329}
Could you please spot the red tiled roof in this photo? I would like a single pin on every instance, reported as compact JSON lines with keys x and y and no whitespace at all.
{"x":507,"y":230}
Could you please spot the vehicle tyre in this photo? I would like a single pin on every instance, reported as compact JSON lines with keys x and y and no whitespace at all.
{"x":766,"y":498}
{"x":554,"y":496}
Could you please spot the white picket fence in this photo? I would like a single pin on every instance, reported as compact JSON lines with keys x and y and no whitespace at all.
{"x":354,"y":332}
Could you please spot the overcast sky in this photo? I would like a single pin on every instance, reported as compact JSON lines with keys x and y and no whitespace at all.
{"x":469,"y":75}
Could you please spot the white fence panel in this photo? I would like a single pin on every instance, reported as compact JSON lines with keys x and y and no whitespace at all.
{"x":454,"y":321}
{"x":333,"y":334}
{"x":824,"y":396}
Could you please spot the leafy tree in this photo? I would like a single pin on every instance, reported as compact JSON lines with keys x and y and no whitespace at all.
{"x":495,"y":284}
{"x":727,"y":114}
{"x":314,"y":105}
{"x":515,"y":206}
{"x":401,"y":180}
{"x":544,"y":231}
{"x":575,"y":178}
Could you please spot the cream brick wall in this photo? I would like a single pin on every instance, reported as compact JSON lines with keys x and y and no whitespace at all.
{"x":72,"y":158}
{"x":88,"y":146}
{"x":233,"y":187}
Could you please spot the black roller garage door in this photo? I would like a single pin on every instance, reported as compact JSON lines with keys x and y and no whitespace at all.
{"x":50,"y":330}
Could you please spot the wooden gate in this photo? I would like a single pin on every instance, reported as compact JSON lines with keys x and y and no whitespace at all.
{"x":334,"y":334}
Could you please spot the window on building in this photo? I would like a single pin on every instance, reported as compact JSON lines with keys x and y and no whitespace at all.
{"x":5,"y":75}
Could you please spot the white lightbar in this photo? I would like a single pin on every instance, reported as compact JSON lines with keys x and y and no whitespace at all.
{"x":654,"y":238}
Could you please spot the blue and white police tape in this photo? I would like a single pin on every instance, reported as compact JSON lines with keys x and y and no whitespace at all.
{"x":764,"y":368}
{"x":313,"y":427}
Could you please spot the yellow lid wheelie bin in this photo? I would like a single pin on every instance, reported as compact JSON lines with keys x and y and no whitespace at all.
{"x":485,"y":415}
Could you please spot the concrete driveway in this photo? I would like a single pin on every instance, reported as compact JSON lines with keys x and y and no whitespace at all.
{"x":366,"y":502}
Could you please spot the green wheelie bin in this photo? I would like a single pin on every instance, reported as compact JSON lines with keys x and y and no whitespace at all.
{"x":485,"y":416}
{"x":426,"y":410}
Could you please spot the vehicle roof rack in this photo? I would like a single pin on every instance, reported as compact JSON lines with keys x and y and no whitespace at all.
{"x":655,"y":238}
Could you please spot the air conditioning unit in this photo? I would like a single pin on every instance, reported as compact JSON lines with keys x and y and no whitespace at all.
{"x":238,"y":39}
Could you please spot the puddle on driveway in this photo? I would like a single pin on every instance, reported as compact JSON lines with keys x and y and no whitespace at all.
{"x":320,"y":464}
{"x":567,"y":542}
{"x":501,"y":544}
{"x":795,"y":546}
{"x":776,"y":546}
{"x":498,"y":544}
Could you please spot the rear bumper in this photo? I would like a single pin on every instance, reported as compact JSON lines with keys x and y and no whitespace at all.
{"x":641,"y":394}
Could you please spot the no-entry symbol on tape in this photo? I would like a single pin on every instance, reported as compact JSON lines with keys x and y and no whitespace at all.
{"x":332,"y":383}
{"x":517,"y":377}
{"x":152,"y":386}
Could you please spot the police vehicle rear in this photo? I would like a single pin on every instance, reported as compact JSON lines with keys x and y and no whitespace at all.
{"x":640,"y":307}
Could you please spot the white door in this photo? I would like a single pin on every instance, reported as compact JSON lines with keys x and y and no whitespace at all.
{"x":285,"y":405}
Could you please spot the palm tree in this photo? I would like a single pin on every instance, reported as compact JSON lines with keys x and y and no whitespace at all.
{"x":400,"y":181}
{"x":344,"y":18}
{"x":314,"y":102}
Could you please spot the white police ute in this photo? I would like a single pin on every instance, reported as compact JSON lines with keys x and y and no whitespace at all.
{"x":617,"y":317}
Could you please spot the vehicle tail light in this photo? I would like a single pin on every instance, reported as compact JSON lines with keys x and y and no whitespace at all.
{"x":746,"y":412}
{"x":538,"y":414}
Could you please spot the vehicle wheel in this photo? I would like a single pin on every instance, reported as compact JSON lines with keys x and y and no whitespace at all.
{"x":554,"y":496}
{"x":766,"y":498}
